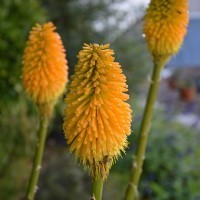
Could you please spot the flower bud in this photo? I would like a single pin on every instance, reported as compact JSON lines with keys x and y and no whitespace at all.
{"x":97,"y":117}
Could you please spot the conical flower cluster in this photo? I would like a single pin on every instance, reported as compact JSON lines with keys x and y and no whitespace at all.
{"x":165,"y":26}
{"x":97,"y":117}
{"x":44,"y":72}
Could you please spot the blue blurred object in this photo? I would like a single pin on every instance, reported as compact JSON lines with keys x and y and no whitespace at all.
{"x":189,"y":55}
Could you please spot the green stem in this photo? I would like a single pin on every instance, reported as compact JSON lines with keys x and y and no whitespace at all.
{"x":97,"y":188}
{"x":42,"y":132}
{"x":136,"y":171}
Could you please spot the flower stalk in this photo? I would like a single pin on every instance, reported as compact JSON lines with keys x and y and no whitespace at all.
{"x":42,"y":132}
{"x":97,"y":189}
{"x":132,"y":191}
{"x":165,"y":26}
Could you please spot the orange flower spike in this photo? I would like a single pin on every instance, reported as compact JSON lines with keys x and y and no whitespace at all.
{"x":97,"y":119}
{"x":165,"y":26}
{"x":44,"y":72}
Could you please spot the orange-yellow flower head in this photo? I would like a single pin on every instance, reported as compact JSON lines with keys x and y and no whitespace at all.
{"x":165,"y":26}
{"x":97,"y":117}
{"x":44,"y":72}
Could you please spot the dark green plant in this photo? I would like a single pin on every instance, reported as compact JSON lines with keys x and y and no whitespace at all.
{"x":172,"y":164}
{"x":61,"y":177}
{"x":17,"y":140}
{"x":16,"y":19}
{"x":17,"y":121}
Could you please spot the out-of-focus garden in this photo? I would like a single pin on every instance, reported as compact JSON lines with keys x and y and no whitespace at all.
{"x":171,"y":169}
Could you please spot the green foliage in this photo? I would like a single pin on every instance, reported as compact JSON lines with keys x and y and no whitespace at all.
{"x":171,"y":167}
{"x":172,"y":164}
{"x":17,"y":121}
{"x":17,"y":138}
{"x":16,"y":19}
{"x":61,"y":177}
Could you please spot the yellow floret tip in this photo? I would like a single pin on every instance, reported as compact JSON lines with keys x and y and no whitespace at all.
{"x":97,"y":117}
{"x":44,"y":72}
{"x":165,"y":26}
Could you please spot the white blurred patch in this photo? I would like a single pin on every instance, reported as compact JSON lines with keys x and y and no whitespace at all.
{"x":187,"y":119}
{"x":166,"y":73}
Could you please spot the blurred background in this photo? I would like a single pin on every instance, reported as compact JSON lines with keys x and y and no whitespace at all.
{"x":172,"y":164}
